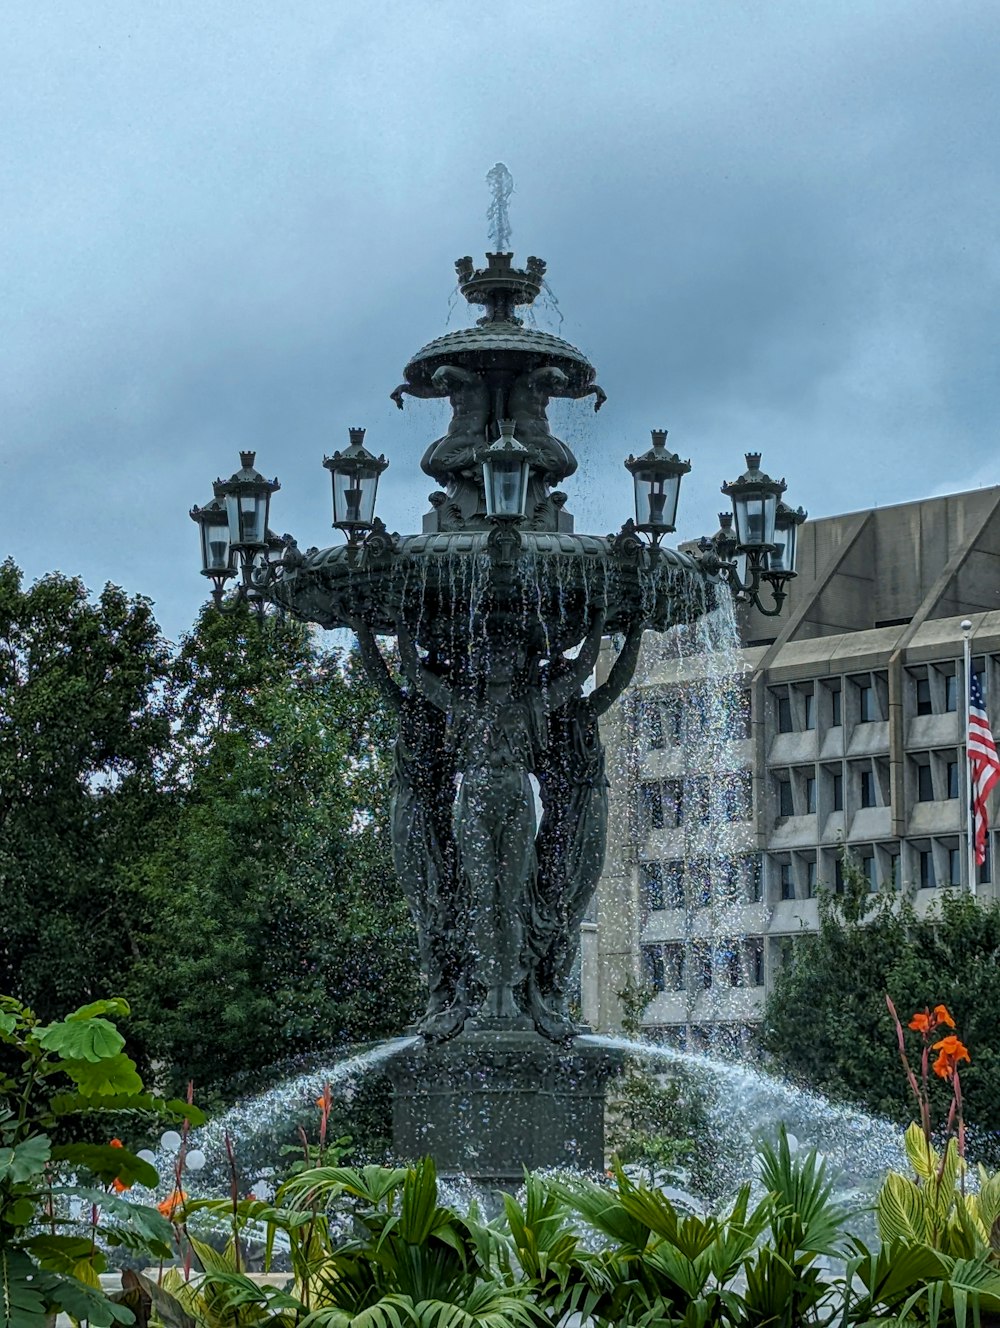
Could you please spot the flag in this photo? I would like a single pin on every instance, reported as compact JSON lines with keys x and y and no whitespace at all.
{"x":984,"y":764}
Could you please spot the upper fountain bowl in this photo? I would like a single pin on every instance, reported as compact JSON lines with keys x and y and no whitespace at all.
{"x":495,"y":345}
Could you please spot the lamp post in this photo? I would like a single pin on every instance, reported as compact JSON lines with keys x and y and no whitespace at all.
{"x":247,"y":498}
{"x":506,"y":467}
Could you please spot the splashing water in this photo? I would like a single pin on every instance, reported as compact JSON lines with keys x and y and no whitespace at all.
{"x":501,"y":184}
{"x":259,"y":1125}
{"x":745,"y":1105}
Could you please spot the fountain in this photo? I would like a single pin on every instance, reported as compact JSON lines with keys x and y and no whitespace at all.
{"x":498,"y":608}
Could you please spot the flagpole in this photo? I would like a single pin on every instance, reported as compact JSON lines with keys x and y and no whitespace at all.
{"x":970,"y":836}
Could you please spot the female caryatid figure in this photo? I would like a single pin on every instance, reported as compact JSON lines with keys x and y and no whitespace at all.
{"x":423,"y":850}
{"x":572,"y":837}
{"x":496,"y":727}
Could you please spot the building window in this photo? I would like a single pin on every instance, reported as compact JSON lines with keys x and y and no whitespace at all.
{"x":651,"y":886}
{"x":867,"y":788}
{"x":754,"y":886}
{"x":985,"y":871}
{"x":811,"y":878}
{"x":809,"y":698}
{"x":835,"y":709}
{"x":838,"y":793}
{"x":867,"y":713}
{"x":784,"y":714}
{"x":925,"y":783}
{"x":755,"y":960}
{"x":701,"y":959}
{"x":653,"y":967}
{"x":926,"y":869}
{"x":651,"y":805}
{"x":785,"y":880}
{"x":737,"y":797}
{"x":870,"y":873}
{"x":785,"y":805}
{"x":924,"y":706}
{"x":654,"y":718}
{"x":952,"y":779}
{"x":838,"y":877}
{"x":673,"y":884}
{"x":955,"y":866}
{"x":951,"y":691}
{"x":673,"y":967}
{"x":741,"y":720}
{"x":733,"y":965}
{"x":699,"y":801}
{"x":673,"y":803}
{"x":810,"y":793}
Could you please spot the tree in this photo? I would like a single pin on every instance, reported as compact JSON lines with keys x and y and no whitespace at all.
{"x":273,"y":923}
{"x":83,"y":727}
{"x":826,"y":1022}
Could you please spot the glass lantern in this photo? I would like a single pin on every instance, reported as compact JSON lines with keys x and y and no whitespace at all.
{"x":247,"y":496}
{"x":506,"y":466}
{"x":213,"y":528}
{"x":781,"y":558}
{"x":755,"y":501}
{"x":657,"y":479}
{"x":355,"y":474}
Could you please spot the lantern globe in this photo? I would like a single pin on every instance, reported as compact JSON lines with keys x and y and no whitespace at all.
{"x":354,"y":474}
{"x":781,"y":557}
{"x":213,"y":531}
{"x":247,"y":496}
{"x":506,"y":467}
{"x":755,"y":501}
{"x":657,"y":475}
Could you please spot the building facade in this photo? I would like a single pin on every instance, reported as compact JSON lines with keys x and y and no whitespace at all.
{"x":841,"y":729}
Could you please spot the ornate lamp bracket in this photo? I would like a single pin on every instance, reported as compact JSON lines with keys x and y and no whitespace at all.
{"x":504,"y":543}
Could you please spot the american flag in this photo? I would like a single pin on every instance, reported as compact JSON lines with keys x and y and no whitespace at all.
{"x":984,"y":764}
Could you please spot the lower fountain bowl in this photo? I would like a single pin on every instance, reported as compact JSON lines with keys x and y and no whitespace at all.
{"x":493,"y":1101}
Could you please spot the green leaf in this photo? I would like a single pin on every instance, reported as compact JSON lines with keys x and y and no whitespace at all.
{"x":80,"y":1039}
{"x":116,"y":1006}
{"x":8,"y":1022}
{"x":66,"y":1104}
{"x":104,"y":1078}
{"x":22,"y":1302}
{"x":899,"y":1211}
{"x":136,"y":1226}
{"x":61,"y":1254}
{"x":87,"y":1303}
{"x":110,"y":1163}
{"x":27,"y":1159}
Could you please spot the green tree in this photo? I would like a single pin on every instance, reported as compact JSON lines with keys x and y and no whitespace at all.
{"x":83,"y":729}
{"x":826,"y":1022}
{"x":273,"y":922}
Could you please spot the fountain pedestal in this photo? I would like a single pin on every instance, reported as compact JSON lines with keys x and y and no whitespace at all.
{"x":499,"y":1098}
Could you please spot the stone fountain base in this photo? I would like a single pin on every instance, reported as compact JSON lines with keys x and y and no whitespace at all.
{"x":499,"y":1098}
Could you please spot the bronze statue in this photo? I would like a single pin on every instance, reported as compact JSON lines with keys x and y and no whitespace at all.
{"x":527,"y":403}
{"x":423,"y":850}
{"x":455,"y":453}
{"x":572,"y":837}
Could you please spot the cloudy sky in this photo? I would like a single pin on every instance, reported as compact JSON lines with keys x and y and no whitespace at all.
{"x":227,"y":224}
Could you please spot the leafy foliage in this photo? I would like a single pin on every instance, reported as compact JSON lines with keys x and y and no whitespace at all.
{"x":826,"y":1023}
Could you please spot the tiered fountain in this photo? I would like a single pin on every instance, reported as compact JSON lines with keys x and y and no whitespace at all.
{"x":499,"y":609}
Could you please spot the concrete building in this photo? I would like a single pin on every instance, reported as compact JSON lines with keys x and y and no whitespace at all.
{"x":845,"y":729}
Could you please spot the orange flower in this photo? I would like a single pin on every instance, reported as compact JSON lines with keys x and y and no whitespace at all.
{"x":322,"y":1103}
{"x":169,"y":1206}
{"x":116,"y":1143}
{"x":117,"y":1185}
{"x":941,"y":1016}
{"x":920,"y":1023}
{"x":950,"y":1051}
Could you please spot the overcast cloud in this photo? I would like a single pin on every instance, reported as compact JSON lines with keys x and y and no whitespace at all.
{"x":229,"y":225}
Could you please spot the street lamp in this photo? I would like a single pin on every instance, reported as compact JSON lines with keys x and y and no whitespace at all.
{"x":657,"y":479}
{"x":506,"y":466}
{"x":355,"y":473}
{"x":762,"y":548}
{"x":247,"y":496}
{"x":213,"y":529}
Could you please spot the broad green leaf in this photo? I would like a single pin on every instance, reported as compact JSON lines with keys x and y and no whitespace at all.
{"x":136,"y":1226}
{"x":899,"y":1211}
{"x":104,"y":1078}
{"x":87,"y":1303}
{"x":116,"y":1006}
{"x":8,"y":1022}
{"x":62,"y":1254}
{"x":109,"y":1163}
{"x":27,"y":1159}
{"x":82,"y":1039}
